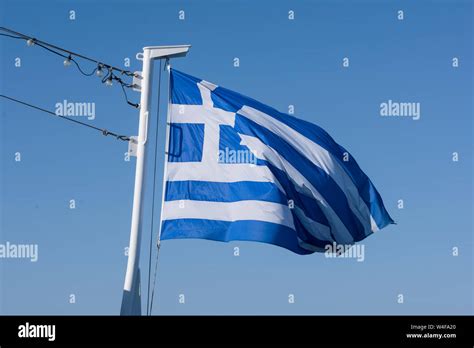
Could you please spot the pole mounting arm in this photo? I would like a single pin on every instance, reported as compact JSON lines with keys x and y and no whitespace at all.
{"x":157,"y":52}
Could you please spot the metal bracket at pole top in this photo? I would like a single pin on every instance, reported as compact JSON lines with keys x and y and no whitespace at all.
{"x":158,"y":52}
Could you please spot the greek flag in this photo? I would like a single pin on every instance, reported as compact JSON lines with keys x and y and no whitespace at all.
{"x":240,"y":170}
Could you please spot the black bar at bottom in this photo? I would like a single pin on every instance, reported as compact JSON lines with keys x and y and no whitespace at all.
{"x":288,"y":330}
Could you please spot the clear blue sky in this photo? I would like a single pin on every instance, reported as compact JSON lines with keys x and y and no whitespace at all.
{"x":282,"y":62}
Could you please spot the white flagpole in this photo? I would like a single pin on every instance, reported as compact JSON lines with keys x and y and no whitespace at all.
{"x":131,"y":300}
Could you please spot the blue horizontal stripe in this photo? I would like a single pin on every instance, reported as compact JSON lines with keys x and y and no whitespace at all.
{"x":325,"y":185}
{"x":224,"y":191}
{"x":224,"y":231}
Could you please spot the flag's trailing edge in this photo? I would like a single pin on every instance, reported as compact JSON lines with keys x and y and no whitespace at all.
{"x":240,"y":170}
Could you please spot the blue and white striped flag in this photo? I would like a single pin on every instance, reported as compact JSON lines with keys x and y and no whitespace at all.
{"x":240,"y":170}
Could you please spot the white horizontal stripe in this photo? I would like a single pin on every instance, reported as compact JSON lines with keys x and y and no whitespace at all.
{"x":303,"y":186}
{"x":229,"y":211}
{"x":181,"y":113}
{"x":319,"y":156}
{"x":219,"y":172}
